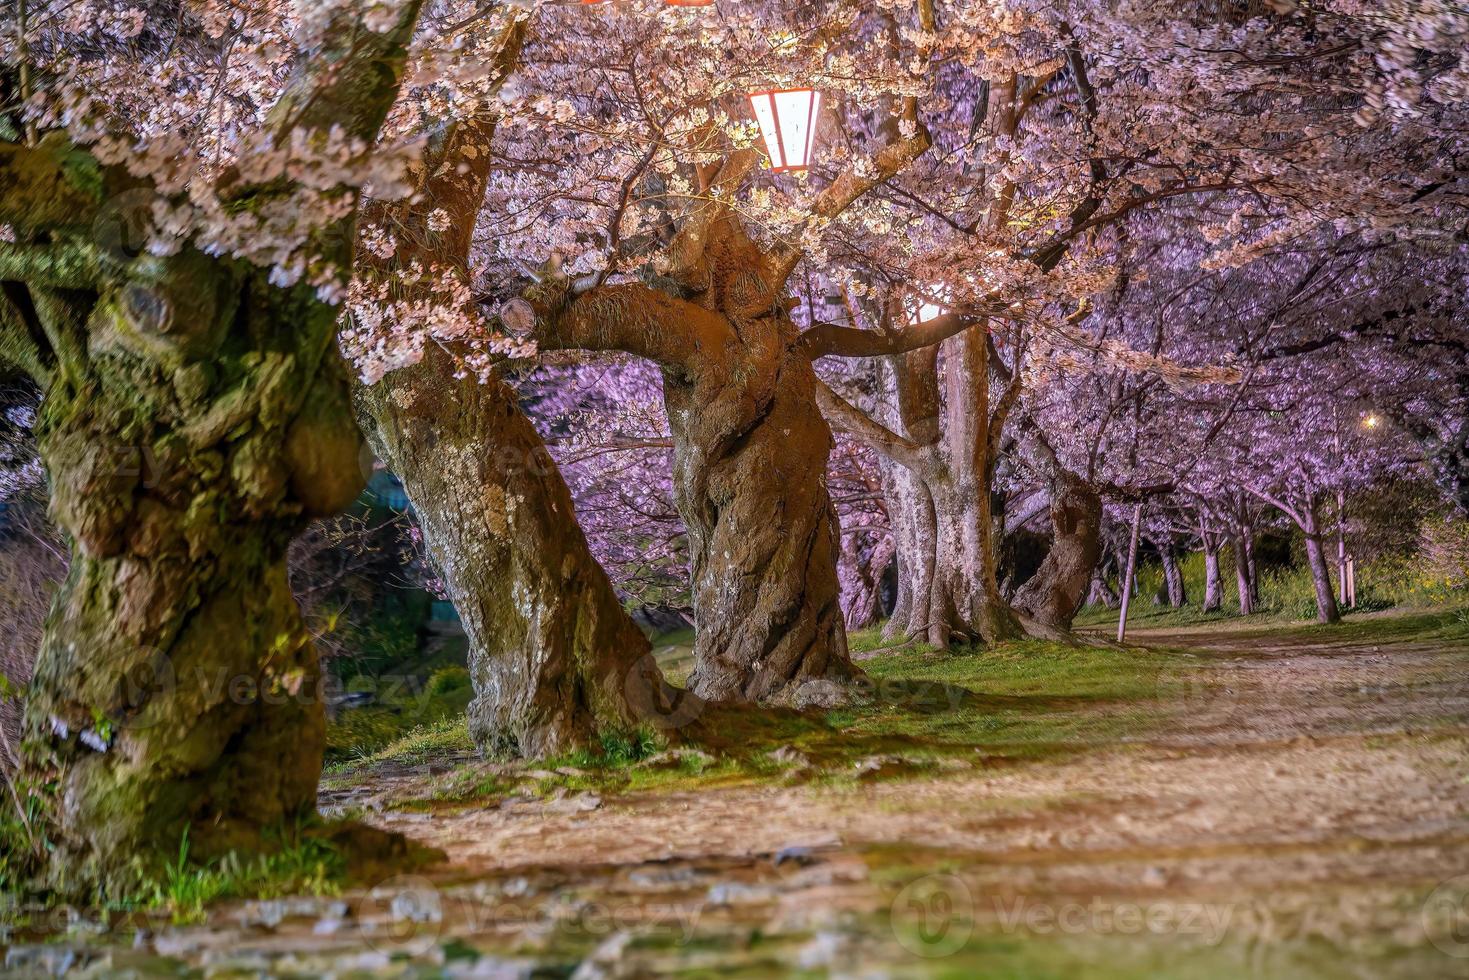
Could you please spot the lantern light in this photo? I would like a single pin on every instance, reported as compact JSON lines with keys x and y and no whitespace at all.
{"x":787,"y":119}
{"x":1372,"y":421}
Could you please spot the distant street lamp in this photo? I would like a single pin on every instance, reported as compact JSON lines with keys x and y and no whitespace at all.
{"x":1371,"y":421}
{"x":787,"y":119}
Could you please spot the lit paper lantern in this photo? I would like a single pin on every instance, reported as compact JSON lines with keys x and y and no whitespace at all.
{"x":787,"y":119}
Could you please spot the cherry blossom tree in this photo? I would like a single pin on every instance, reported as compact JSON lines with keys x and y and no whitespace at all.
{"x":195,"y":412}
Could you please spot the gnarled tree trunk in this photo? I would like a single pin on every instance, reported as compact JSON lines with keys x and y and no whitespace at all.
{"x":750,"y":453}
{"x":553,"y":656}
{"x":195,"y":418}
{"x":176,"y":686}
{"x":1054,"y":594}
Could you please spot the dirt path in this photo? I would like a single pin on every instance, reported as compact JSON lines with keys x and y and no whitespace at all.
{"x":1302,"y":810}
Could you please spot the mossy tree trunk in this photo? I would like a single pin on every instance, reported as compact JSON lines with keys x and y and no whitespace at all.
{"x":195,"y":418}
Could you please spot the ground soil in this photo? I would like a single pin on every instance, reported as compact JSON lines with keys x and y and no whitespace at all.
{"x":1300,"y":808}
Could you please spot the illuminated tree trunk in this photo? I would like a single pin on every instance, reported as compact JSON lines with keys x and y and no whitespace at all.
{"x":750,"y":449}
{"x":553,"y":657}
{"x":1213,"y":587}
{"x":1243,"y":582}
{"x":750,"y":458}
{"x":1172,"y":576}
{"x":1326,"y":607}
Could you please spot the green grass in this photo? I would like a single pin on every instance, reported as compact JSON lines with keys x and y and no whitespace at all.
{"x":919,"y":708}
{"x":296,"y":863}
{"x":404,"y":708}
{"x":1286,"y":594}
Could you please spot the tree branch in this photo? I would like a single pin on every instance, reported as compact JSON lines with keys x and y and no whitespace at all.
{"x":846,"y":417}
{"x":832,"y":340}
{"x":64,"y":265}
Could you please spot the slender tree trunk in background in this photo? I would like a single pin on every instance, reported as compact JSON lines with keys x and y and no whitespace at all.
{"x":1172,"y":576}
{"x":909,"y":381}
{"x":1213,"y":586}
{"x":1101,"y":593}
{"x":1244,"y":583}
{"x":966,"y":581}
{"x":1054,"y":594}
{"x":1326,"y":608}
{"x":863,"y":605}
{"x":1130,"y":573}
{"x":1346,"y":596}
{"x":554,"y":658}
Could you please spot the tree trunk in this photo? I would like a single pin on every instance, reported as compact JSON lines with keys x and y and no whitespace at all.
{"x":1101,"y":593}
{"x":1213,"y":586}
{"x":1054,"y":594}
{"x":1172,"y":576}
{"x":1326,"y":608}
{"x":196,"y":418}
{"x":176,"y":685}
{"x":1243,"y":580}
{"x":750,"y":450}
{"x":966,"y":586}
{"x":750,"y":459}
{"x":553,"y":656}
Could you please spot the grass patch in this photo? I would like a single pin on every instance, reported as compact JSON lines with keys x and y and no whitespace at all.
{"x":445,"y":738}
{"x":917,"y":712}
{"x":295,"y":863}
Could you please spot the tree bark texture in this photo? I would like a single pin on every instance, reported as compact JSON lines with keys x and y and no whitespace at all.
{"x":176,"y":686}
{"x":195,"y":419}
{"x":750,"y":455}
{"x":1213,"y":587}
{"x":553,"y":656}
{"x":1055,"y":593}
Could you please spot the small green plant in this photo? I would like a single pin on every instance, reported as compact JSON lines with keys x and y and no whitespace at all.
{"x":617,"y":749}
{"x":295,"y":863}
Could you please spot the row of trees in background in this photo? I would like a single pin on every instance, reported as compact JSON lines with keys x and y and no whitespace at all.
{"x":1140,"y":231}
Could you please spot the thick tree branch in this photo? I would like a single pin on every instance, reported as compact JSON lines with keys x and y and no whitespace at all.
{"x":832,"y":340}
{"x":626,"y":317}
{"x":846,"y":417}
{"x":65,"y":265}
{"x":350,"y":80}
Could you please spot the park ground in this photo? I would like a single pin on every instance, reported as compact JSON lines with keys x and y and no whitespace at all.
{"x":1215,"y":799}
